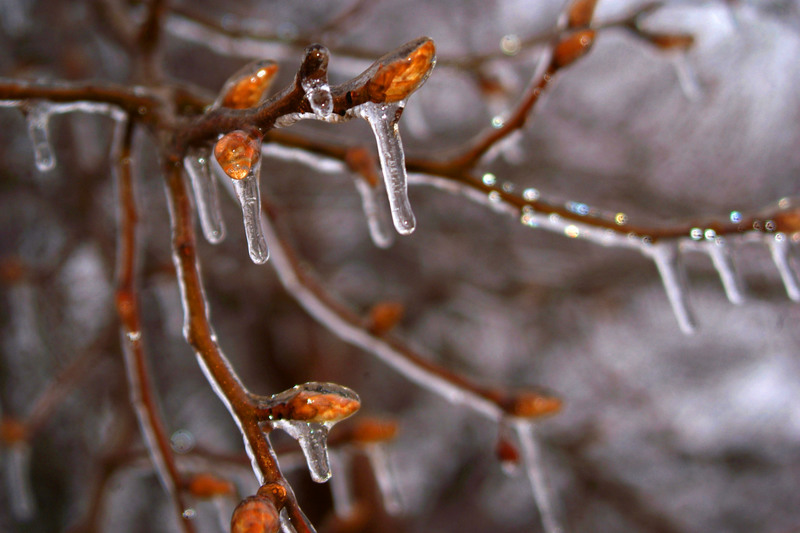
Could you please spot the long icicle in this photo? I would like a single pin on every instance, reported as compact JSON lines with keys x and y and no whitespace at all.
{"x":534,"y":468}
{"x":667,"y":260}
{"x":197,"y":164}
{"x":780,"y":247}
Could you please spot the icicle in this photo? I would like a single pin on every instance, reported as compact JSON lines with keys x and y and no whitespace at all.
{"x":687,"y":78}
{"x":386,"y":478}
{"x":721,"y":257}
{"x":532,"y":459}
{"x":197,"y":166}
{"x":378,"y":216}
{"x":313,"y":440}
{"x":780,"y":248}
{"x":38,"y":116}
{"x":18,"y":464}
{"x":286,"y":522}
{"x":667,"y":260}
{"x":383,"y":120}
{"x":239,"y":156}
{"x":341,"y":487}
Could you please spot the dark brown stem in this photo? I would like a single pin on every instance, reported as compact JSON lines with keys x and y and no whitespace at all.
{"x":141,"y":389}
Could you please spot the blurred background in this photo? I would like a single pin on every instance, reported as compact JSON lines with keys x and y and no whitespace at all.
{"x":660,"y":431}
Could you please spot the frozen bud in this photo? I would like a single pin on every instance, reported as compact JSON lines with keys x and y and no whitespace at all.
{"x":248,"y":87}
{"x":372,"y":430}
{"x":237,"y":152}
{"x":275,"y":492}
{"x":402,"y":72}
{"x":12,"y":431}
{"x":324,"y":403}
{"x":205,"y":485}
{"x":572,"y":48}
{"x":580,"y":13}
{"x":669,"y":41}
{"x":255,"y":515}
{"x":384,"y":316}
{"x":530,"y":404}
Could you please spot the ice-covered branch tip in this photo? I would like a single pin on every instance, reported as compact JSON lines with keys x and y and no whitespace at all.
{"x":313,"y":79}
{"x":307,"y":412}
{"x":249,"y":86}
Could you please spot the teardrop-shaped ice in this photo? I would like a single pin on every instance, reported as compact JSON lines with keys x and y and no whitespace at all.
{"x":38,"y":118}
{"x":377,"y":213}
{"x":781,"y":249}
{"x":721,"y":258}
{"x":197,"y":165}
{"x":667,"y":260}
{"x":249,"y":193}
{"x":383,"y":119}
{"x":318,"y":93}
{"x":313,"y":440}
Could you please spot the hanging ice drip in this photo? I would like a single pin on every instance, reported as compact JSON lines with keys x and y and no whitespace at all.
{"x":247,"y":88}
{"x":307,"y":412}
{"x":384,"y":88}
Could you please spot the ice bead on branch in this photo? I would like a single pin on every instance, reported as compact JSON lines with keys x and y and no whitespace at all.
{"x":249,"y":86}
{"x":307,"y":412}
{"x":38,"y":118}
{"x":314,"y":80}
{"x":197,"y":165}
{"x":385,"y":86}
{"x":239,"y":157}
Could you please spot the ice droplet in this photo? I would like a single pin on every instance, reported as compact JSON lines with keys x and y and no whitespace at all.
{"x":780,"y":248}
{"x":249,"y":194}
{"x":38,"y":117}
{"x":386,"y":478}
{"x":18,"y":483}
{"x":383,"y":120}
{"x":377,"y":213}
{"x":313,"y":440}
{"x":197,"y":166}
{"x":667,"y":260}
{"x":721,"y":258}
{"x":318,"y":93}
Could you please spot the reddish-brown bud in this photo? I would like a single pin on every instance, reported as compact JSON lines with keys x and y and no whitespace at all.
{"x":236,"y":153}
{"x":530,"y":404}
{"x":384,"y":316}
{"x":255,"y":515}
{"x":12,"y":431}
{"x":670,"y":41}
{"x":247,"y":87}
{"x":373,"y":430}
{"x":315,"y":402}
{"x":401,"y":73}
{"x":206,"y":485}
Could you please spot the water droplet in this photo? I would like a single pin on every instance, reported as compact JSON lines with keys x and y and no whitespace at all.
{"x":489,"y":179}
{"x":318,"y":94}
{"x":710,"y":234}
{"x":554,"y":218}
{"x":498,"y":122}
{"x":508,"y":186}
{"x":530,"y":194}
{"x":696,"y":234}
{"x":578,"y":208}
{"x":784,"y":203}
{"x":495,"y":197}
{"x":769,"y":225}
{"x":572,"y":231}
{"x":382,"y":119}
{"x":736,"y":216}
{"x":134,"y":336}
{"x":205,"y":193}
{"x":621,"y":218}
{"x":182,"y":441}
{"x":510,"y":44}
{"x":189,"y":514}
{"x":38,"y":118}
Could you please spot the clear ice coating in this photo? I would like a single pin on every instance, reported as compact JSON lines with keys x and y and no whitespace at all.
{"x":313,"y":440}
{"x":781,"y":248}
{"x":385,"y":476}
{"x":377,"y":213}
{"x":667,"y":260}
{"x":249,"y":194}
{"x":197,"y":165}
{"x":318,"y":93}
{"x":383,"y":120}
{"x":721,"y":258}
{"x":18,"y":481}
{"x":38,"y":117}
{"x":534,"y":468}
{"x":286,"y":523}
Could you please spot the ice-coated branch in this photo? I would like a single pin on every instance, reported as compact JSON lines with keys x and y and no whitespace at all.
{"x":141,"y":392}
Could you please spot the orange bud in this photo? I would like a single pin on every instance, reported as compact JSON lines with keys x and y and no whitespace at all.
{"x":236,"y":153}
{"x":275,"y":492}
{"x":384,"y":316}
{"x":402,"y":72}
{"x":372,"y":430}
{"x":572,"y":48}
{"x":12,"y":270}
{"x":12,"y":431}
{"x":247,"y":87}
{"x":530,"y":404}
{"x":208,"y":486}
{"x":669,"y":41}
{"x":580,"y":13}
{"x":255,"y":515}
{"x":787,"y":221}
{"x":315,"y":402}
